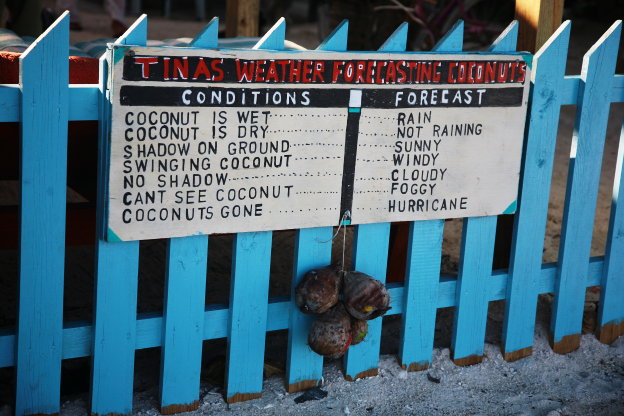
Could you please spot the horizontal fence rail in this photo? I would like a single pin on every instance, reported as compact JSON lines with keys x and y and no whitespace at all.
{"x":44,"y":103}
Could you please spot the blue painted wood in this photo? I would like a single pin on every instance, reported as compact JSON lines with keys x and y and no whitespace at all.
{"x":83,"y":103}
{"x":582,"y":190}
{"x":453,"y":41}
{"x":43,"y":179}
{"x":371,"y":257}
{"x":116,"y":280}
{"x":183,"y":318}
{"x":337,"y":39}
{"x":78,"y":336}
{"x":304,"y":367}
{"x":507,"y":40}
{"x":397,"y":42}
{"x":249,"y":294}
{"x":471,"y":305}
{"x":183,"y":323}
{"x":530,"y":221}
{"x":420,"y":294}
{"x":274,"y":38}
{"x":208,"y":38}
{"x":611,"y":307}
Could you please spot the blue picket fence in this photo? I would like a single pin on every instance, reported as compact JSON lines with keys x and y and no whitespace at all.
{"x":44,"y":103}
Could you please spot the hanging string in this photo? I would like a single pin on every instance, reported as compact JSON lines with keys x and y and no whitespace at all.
{"x":345,"y":216}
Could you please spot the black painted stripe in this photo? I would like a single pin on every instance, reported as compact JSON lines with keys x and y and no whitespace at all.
{"x":350,"y":154}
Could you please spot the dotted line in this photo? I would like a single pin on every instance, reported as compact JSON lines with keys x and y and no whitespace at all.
{"x":308,"y":210}
{"x":375,"y":145}
{"x":318,"y":158}
{"x":371,"y":179}
{"x":371,"y":192}
{"x":283,"y":175}
{"x":314,"y":193}
{"x":309,"y":115}
{"x":373,"y":160}
{"x":307,"y":130}
{"x":319,"y":144}
{"x":378,"y":134}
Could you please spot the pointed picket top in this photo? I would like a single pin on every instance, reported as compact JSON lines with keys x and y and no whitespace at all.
{"x":58,"y":31}
{"x":453,"y":40}
{"x":209,"y":37}
{"x":507,"y":41}
{"x":337,"y":39}
{"x":397,"y":42}
{"x":274,"y":38}
{"x":557,"y":44}
{"x":605,"y":48}
{"x":136,"y":33}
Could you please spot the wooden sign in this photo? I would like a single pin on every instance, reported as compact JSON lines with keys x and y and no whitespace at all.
{"x":214,"y":141}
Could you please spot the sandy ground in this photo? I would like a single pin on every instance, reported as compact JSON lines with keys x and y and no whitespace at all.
{"x":588,"y":381}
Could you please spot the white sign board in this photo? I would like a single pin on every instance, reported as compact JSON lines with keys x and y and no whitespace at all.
{"x":209,"y":141}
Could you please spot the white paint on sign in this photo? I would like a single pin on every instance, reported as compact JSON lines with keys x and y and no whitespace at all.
{"x":206,"y":141}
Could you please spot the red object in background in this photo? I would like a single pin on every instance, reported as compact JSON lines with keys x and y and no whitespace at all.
{"x":81,"y":158}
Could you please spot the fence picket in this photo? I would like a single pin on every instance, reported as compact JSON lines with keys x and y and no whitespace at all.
{"x":184,"y":307}
{"x":611,"y":307}
{"x":116,"y":280}
{"x":530,"y":222}
{"x":43,"y":173}
{"x":249,"y":292}
{"x":582,"y":191}
{"x":304,"y":368}
{"x":420,"y":294}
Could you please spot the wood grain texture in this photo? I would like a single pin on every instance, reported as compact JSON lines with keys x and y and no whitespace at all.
{"x":43,"y":178}
{"x":582,"y":188}
{"x":183,"y":321}
{"x":116,"y":280}
{"x":420,"y":294}
{"x":611,"y":306}
{"x":242,"y":18}
{"x":530,"y":219}
{"x":247,"y":325}
{"x":472,"y":299}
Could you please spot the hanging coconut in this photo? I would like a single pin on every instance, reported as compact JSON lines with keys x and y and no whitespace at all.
{"x":365,"y":297}
{"x":359,"y":329}
{"x":319,"y":290}
{"x":330,"y":333}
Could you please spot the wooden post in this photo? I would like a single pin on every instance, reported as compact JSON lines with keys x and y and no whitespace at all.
{"x":241,"y":18}
{"x":538,"y":20}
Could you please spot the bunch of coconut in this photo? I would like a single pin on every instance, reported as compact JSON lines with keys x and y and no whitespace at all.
{"x":343,"y":302}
